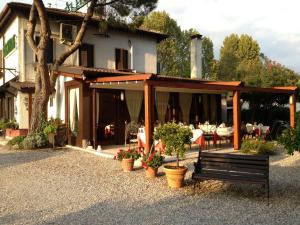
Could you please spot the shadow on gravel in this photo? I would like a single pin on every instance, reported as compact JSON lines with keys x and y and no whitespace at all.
{"x":13,"y":158}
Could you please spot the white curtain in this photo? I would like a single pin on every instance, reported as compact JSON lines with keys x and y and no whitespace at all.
{"x":134,"y":102}
{"x":73,"y":107}
{"x":162,"y":99}
{"x":97,"y":107}
{"x":185,"y":101}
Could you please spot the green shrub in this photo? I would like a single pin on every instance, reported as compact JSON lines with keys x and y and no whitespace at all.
{"x":255,"y":146}
{"x":37,"y":140}
{"x":4,"y":124}
{"x":17,"y":141}
{"x":290,"y":139}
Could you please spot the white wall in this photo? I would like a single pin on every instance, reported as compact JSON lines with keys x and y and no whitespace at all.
{"x":12,"y":60}
{"x":144,"y":49}
{"x":22,"y":110}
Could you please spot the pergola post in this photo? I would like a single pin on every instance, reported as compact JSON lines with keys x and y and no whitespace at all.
{"x":149,"y":114}
{"x":292,"y":102}
{"x":236,"y":120}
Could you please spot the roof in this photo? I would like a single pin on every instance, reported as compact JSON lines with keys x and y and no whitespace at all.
{"x":101,"y":75}
{"x":62,"y":14}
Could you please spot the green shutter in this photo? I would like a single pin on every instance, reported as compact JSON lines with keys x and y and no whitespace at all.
{"x":9,"y":46}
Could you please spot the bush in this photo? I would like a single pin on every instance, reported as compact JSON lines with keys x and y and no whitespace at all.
{"x":37,"y":140}
{"x":4,"y":124}
{"x":261,"y":147}
{"x":290,"y":139}
{"x":17,"y":141}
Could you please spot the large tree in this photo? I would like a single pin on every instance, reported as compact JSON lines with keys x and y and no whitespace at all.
{"x":208,"y":58}
{"x":167,"y":50}
{"x":45,"y":77}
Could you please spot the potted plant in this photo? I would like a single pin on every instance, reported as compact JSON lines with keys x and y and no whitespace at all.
{"x":50,"y":131}
{"x":151,"y":162}
{"x":127,"y":158}
{"x":175,"y":137}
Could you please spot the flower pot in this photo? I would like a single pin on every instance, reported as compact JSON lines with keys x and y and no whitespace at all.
{"x":127,"y":165}
{"x":175,"y":175}
{"x":151,"y":172}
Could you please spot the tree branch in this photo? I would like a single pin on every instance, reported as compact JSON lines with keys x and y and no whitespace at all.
{"x":31,"y":28}
{"x":61,"y":59}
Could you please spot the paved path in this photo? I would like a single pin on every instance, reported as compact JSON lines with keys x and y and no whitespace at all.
{"x":74,"y":187}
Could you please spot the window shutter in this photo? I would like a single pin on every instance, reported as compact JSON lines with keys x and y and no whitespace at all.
{"x":90,"y":56}
{"x":50,"y":51}
{"x":86,"y":57}
{"x":118,"y":59}
{"x":125,"y":59}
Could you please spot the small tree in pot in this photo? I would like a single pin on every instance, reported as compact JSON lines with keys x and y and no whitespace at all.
{"x":175,"y":137}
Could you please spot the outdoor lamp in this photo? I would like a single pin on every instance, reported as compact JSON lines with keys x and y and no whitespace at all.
{"x":122,"y":96}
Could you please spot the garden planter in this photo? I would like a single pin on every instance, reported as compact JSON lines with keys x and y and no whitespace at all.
{"x":11,"y":133}
{"x":127,"y":165}
{"x":151,"y":172}
{"x":175,"y":175}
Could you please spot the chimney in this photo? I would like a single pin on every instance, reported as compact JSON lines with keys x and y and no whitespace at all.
{"x":196,"y":56}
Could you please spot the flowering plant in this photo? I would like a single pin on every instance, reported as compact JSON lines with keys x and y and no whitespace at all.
{"x":152,"y":159}
{"x":127,"y":154}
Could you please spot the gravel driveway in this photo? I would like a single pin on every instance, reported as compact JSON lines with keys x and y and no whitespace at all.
{"x":74,"y":187}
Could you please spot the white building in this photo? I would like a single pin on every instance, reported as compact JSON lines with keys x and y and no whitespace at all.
{"x":118,"y":49}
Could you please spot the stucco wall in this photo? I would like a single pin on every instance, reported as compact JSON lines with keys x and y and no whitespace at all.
{"x":144,"y":49}
{"x":22,"y":110}
{"x":12,"y":59}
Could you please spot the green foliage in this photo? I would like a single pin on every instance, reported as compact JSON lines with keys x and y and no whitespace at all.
{"x":173,"y":54}
{"x":17,"y":141}
{"x":2,"y":124}
{"x":35,"y":140}
{"x":175,"y":137}
{"x":152,"y":159}
{"x":260,"y":147}
{"x":127,"y":154}
{"x":290,"y":139}
{"x":5,"y":124}
{"x":208,"y":58}
{"x":50,"y":129}
{"x":124,"y":11}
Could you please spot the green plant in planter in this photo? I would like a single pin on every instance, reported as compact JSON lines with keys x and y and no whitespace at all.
{"x":50,"y":129}
{"x":152,"y":159}
{"x":175,"y":137}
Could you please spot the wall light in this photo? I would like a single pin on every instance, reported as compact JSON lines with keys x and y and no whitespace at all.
{"x":122,"y":96}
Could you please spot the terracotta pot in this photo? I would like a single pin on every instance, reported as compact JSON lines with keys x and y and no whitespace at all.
{"x":175,"y":175}
{"x":127,"y":165}
{"x":151,"y":172}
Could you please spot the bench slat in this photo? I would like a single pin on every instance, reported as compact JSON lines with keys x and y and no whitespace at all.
{"x":229,"y":167}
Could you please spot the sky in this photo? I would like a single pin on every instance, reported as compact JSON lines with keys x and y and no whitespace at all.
{"x":273,"y":23}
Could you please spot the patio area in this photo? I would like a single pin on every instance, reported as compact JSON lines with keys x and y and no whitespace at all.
{"x":73,"y":187}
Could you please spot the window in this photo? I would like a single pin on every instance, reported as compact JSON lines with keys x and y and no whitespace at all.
{"x":121,"y":59}
{"x":86,"y":55}
{"x":49,"y":52}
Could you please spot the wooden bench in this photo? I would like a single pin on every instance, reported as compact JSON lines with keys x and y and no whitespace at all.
{"x":232,"y":168}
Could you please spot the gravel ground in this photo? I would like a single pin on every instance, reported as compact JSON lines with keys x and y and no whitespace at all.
{"x":74,"y":187}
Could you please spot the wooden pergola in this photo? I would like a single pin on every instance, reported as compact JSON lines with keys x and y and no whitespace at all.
{"x":150,"y":82}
